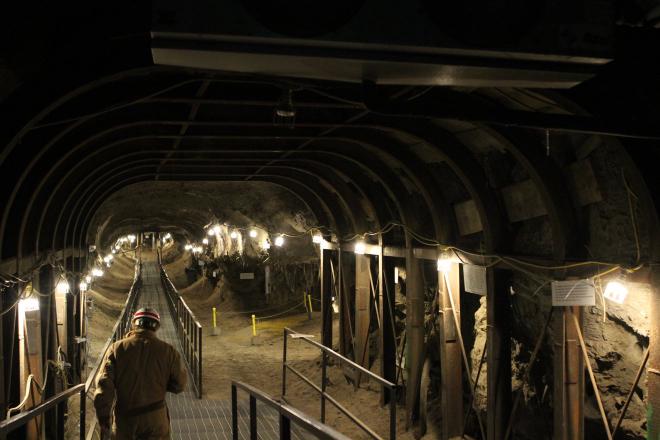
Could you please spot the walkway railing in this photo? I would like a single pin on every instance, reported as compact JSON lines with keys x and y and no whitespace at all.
{"x":188,"y":329}
{"x":325,"y":353}
{"x":120,"y":329}
{"x":122,"y":326}
{"x":287,"y":415}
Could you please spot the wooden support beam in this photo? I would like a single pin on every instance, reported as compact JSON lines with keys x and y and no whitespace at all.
{"x":345,"y":277}
{"x":653,"y":364}
{"x":415,"y":333}
{"x":387,"y":335}
{"x":327,"y":293}
{"x":362,"y":308}
{"x":569,"y":378}
{"x":450,"y":354}
{"x":498,"y":316}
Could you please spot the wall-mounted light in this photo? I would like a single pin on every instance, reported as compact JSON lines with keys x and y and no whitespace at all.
{"x":131,"y":238}
{"x":317,"y":238}
{"x":88,"y":279}
{"x":234,"y":234}
{"x":96,"y":272}
{"x":266,"y":244}
{"x":216,"y":230}
{"x":616,"y":290}
{"x":83,"y":286}
{"x":279,"y":241}
{"x":205,"y":241}
{"x":360,"y":247}
{"x":253,"y":233}
{"x":188,"y":247}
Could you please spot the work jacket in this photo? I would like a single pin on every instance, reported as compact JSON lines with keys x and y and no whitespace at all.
{"x":136,"y":373}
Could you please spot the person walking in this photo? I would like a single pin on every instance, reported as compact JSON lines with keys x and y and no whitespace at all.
{"x":131,"y":385}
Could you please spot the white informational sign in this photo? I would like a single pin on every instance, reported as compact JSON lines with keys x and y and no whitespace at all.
{"x":247,"y":275}
{"x":574,"y":293}
{"x":474,"y":279}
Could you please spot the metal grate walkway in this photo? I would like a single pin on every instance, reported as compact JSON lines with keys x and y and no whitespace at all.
{"x":194,"y":418}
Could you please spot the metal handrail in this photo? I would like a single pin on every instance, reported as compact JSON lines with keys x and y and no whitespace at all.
{"x":188,"y":329}
{"x":21,"y":419}
{"x":287,"y":415}
{"x":121,"y":327}
{"x":321,"y":389}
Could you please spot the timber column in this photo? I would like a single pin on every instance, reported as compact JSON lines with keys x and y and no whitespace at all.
{"x":653,"y":365}
{"x":569,"y":378}
{"x":450,"y":352}
{"x":498,"y":316}
{"x":414,"y":331}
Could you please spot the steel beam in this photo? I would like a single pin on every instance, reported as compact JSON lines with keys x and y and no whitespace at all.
{"x":569,"y":378}
{"x":498,"y":317}
{"x":450,"y":353}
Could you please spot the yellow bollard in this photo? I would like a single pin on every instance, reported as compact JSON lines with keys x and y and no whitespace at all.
{"x":309,"y":307}
{"x":254,"y":325}
{"x":214,"y":330}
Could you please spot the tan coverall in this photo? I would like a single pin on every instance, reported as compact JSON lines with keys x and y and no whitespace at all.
{"x":136,"y":373}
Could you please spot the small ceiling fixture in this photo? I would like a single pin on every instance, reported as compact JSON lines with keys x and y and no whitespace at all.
{"x":285,"y":113}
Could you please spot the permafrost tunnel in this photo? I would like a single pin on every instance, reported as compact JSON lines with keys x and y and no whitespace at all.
{"x":460,"y":199}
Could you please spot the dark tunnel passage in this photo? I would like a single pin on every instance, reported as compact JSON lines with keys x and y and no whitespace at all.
{"x":470,"y":214}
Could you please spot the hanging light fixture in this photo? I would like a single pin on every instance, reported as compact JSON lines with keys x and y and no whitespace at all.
{"x":253,"y":233}
{"x":205,"y":241}
{"x":234,"y":234}
{"x":360,"y":247}
{"x":279,"y":241}
{"x":317,"y":238}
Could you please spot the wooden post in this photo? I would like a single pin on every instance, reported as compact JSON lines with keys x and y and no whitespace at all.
{"x":327,"y":293}
{"x":653,"y":364}
{"x":450,"y":354}
{"x":387,"y":331}
{"x":569,"y":378}
{"x":362,"y":309}
{"x":414,"y":331}
{"x":498,"y":316}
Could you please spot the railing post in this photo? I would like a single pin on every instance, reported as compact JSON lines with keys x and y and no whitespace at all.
{"x":324,"y":364}
{"x":285,"y":428}
{"x":199,"y":360}
{"x":234,"y":412}
{"x":286,"y":338}
{"x":253,"y":417}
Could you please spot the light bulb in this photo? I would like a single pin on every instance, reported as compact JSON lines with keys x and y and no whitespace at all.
{"x":253,"y":233}
{"x":96,"y":272}
{"x":205,"y":241}
{"x":188,"y":247}
{"x":279,"y":241}
{"x":317,"y":238}
{"x":360,"y":247}
{"x":88,"y":279}
{"x":616,"y":291}
{"x":233,"y":234}
{"x":444,"y":265}
{"x":265,"y":244}
{"x":83,"y":286}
